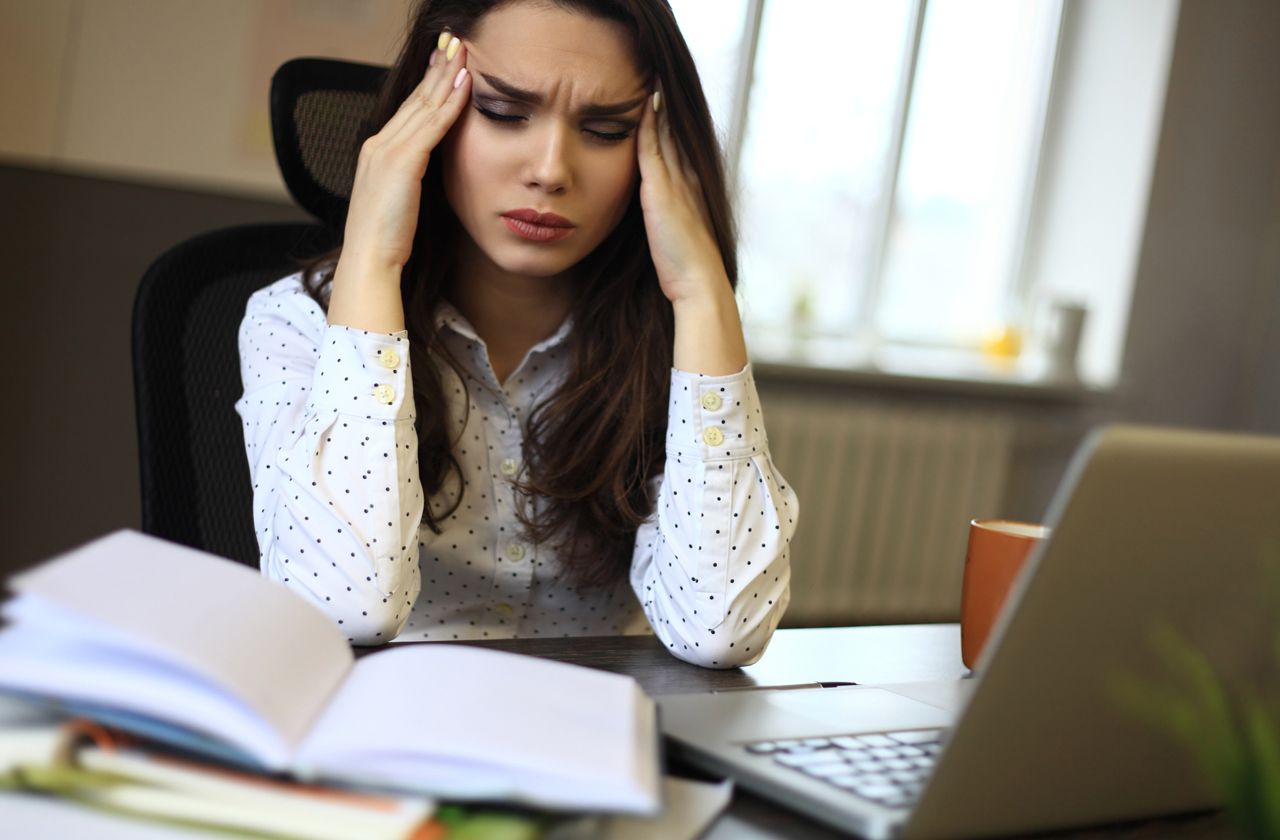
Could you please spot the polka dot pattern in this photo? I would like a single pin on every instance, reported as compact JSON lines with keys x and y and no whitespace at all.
{"x":328,"y":423}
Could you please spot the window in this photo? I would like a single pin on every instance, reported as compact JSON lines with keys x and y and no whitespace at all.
{"x":885,"y":156}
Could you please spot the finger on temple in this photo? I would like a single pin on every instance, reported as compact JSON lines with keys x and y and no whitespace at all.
{"x":647,"y":149}
{"x":425,"y":128}
{"x":442,"y":75}
{"x":416,"y":98}
{"x":667,"y":142}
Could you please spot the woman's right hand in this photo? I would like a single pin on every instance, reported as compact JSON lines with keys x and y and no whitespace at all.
{"x":382,"y":217}
{"x":383,"y":214}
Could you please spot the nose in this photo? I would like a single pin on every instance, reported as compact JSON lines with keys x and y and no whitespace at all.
{"x":550,"y":167}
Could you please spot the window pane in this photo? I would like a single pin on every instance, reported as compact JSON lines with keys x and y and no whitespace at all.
{"x":812,"y":168}
{"x":713,"y":31}
{"x":968,"y":158}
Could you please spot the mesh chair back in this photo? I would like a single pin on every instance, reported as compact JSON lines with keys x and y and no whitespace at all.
{"x":186,"y":372}
{"x":196,"y":488}
{"x":319,"y":116}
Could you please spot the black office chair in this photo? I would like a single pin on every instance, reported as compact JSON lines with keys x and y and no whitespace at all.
{"x":186,"y":367}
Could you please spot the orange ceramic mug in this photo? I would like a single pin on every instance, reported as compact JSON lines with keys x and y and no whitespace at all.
{"x":997,"y":550}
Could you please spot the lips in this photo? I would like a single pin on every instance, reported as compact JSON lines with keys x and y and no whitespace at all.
{"x":531,"y":225}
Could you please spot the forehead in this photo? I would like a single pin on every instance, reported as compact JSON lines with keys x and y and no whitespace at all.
{"x":542,"y":46}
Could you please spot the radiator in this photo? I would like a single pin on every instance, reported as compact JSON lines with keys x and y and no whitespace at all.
{"x":886,"y":494}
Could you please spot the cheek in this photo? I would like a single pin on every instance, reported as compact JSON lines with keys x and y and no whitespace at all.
{"x":615,"y":177}
{"x":474,"y":160}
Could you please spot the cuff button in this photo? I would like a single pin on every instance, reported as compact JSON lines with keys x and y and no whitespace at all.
{"x":713,"y":436}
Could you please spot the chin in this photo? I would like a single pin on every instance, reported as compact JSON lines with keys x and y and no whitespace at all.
{"x":545,"y":264}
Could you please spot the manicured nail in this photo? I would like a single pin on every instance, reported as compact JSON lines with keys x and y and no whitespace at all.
{"x":457,"y":80}
{"x":454,"y":45}
{"x":657,"y":101}
{"x":443,"y":40}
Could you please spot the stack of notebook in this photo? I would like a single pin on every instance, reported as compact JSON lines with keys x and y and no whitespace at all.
{"x":157,"y":645}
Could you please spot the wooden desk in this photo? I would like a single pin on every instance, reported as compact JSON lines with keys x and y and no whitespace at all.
{"x":902,"y":653}
{"x":880,"y":654}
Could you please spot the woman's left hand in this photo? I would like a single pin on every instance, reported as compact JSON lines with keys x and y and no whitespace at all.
{"x":690,"y":269}
{"x":681,"y":241}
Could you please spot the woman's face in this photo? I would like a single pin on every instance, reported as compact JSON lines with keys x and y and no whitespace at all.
{"x":541,"y":166}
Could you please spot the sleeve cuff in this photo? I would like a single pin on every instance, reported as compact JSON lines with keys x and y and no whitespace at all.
{"x":715,"y":417}
{"x":363,"y":373}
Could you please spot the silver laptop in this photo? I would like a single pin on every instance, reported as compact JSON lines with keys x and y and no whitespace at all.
{"x":1153,"y":528}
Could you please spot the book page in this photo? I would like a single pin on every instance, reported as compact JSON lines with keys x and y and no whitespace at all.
{"x":94,"y":680}
{"x":221,"y":621}
{"x":524,"y":728}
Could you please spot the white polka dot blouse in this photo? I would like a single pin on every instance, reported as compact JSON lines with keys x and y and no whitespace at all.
{"x":328,"y":417}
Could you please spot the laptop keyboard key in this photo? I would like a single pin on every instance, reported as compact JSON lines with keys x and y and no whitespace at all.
{"x":877,"y":792}
{"x":804,"y":759}
{"x":877,"y":741}
{"x":837,"y":768}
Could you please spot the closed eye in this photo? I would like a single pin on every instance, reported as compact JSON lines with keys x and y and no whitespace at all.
{"x":610,"y":132}
{"x":499,"y":118}
{"x":611,"y":136}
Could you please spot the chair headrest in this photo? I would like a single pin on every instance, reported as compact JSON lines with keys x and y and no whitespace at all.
{"x":320,"y":110}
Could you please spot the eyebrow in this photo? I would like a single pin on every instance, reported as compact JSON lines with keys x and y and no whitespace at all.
{"x":533,"y":98}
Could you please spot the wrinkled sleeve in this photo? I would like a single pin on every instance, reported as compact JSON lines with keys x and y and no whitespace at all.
{"x":328,"y":421}
{"x":711,"y":565}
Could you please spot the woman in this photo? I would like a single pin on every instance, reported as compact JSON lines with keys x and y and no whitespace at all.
{"x":521,"y":384}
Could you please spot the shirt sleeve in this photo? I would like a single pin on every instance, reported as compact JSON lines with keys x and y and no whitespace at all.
{"x":711,"y":565}
{"x":328,"y":420}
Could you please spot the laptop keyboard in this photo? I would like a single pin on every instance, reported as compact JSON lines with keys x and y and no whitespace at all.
{"x":889,"y":769}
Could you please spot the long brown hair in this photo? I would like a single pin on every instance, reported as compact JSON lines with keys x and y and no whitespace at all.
{"x":592,"y":446}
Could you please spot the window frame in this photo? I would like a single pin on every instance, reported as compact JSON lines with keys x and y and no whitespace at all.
{"x":1020,"y":288}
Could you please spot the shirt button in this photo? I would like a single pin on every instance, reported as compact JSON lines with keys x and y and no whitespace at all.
{"x":503,"y":609}
{"x":713,"y":436}
{"x":389,"y":358}
{"x":711,"y":401}
{"x":384,"y":394}
{"x":509,"y":466}
{"x":515,"y":552}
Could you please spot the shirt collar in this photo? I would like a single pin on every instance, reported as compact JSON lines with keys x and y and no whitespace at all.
{"x":448,"y":316}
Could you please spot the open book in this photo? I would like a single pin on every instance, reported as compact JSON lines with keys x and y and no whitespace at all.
{"x":194,"y":650}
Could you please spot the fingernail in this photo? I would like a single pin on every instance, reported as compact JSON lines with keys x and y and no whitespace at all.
{"x":457,"y":80}
{"x":453,"y":49}
{"x":443,"y":40}
{"x":431,"y":61}
{"x":657,"y":101}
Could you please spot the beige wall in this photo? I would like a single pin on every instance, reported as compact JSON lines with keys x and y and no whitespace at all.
{"x":168,"y":91}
